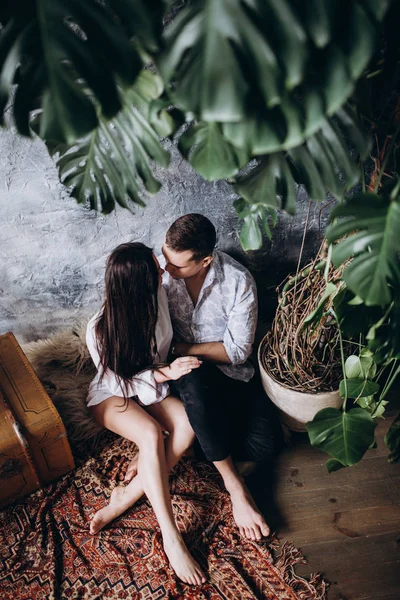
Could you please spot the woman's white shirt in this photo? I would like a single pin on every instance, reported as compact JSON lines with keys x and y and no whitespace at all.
{"x":143,"y":385}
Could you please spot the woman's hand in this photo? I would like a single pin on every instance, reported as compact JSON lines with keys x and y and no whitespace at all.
{"x":182,"y":366}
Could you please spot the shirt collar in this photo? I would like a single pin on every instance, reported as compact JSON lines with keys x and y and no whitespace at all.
{"x":213,"y":272}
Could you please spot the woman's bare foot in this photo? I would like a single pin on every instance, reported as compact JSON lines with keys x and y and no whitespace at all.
{"x":184,"y":565}
{"x":247,"y":517}
{"x":132,"y":469}
{"x":120,"y":501}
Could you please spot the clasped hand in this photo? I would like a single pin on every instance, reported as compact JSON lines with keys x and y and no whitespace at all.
{"x":182,"y":366}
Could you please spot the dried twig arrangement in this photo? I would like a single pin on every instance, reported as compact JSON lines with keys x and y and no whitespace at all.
{"x":304,"y":359}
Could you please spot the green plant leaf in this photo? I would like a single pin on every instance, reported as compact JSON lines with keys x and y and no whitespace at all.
{"x":368,"y":366}
{"x":367,"y":402}
{"x":333,"y":465}
{"x":319,"y":165}
{"x":345,"y":436}
{"x":354,"y":319}
{"x":358,"y":388}
{"x":313,"y":317}
{"x":352,"y":367}
{"x":66,"y":47}
{"x":384,"y":335}
{"x":209,"y":153}
{"x":228,"y":64}
{"x":141,"y":19}
{"x":379,"y":409}
{"x":371,"y":224}
{"x":250,"y":235}
{"x":203,"y":62}
{"x":112,"y":164}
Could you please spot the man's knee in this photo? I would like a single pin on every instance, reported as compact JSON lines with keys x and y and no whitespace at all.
{"x":200,"y":377}
{"x":195,"y":389}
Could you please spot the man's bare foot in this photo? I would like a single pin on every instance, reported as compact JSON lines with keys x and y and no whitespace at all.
{"x":184,"y":565}
{"x":132,"y":469}
{"x":120,"y":501}
{"x":247,"y":517}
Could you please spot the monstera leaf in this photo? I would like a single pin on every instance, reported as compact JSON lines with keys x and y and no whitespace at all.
{"x":112,"y":164}
{"x":384,"y":336}
{"x":324,"y":163}
{"x":209,"y":153}
{"x":49,"y":46}
{"x":371,"y":224}
{"x":345,"y":436}
{"x":236,"y":60}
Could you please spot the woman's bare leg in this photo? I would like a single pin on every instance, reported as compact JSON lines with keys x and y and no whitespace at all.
{"x":136,"y":425}
{"x":171,"y":416}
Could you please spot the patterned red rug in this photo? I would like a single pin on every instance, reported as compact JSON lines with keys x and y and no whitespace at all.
{"x":46,"y":551}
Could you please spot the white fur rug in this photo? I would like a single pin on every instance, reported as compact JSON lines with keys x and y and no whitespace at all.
{"x":64,"y":366}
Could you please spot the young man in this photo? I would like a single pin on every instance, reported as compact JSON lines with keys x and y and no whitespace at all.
{"x":213,"y":306}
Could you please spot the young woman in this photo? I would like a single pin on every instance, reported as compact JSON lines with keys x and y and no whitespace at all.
{"x":128,"y":340}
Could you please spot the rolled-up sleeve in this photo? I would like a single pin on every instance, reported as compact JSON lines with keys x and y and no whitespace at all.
{"x":242,"y":320}
{"x":143,"y":385}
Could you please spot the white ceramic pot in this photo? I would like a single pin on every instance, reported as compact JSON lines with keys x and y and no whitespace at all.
{"x":295,"y":408}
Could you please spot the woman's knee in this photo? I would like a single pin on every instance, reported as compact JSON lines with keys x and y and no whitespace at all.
{"x":182,"y":428}
{"x":151,"y":435}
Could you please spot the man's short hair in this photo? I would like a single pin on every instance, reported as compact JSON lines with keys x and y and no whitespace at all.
{"x":192,"y":232}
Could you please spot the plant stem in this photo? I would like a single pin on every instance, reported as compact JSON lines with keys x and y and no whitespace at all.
{"x":389,"y":380}
{"x":333,"y":313}
{"x":328,"y":263}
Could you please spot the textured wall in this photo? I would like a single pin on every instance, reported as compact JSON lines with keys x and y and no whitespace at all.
{"x":52,"y":251}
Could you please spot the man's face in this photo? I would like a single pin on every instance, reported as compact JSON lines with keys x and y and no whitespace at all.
{"x":180,"y":265}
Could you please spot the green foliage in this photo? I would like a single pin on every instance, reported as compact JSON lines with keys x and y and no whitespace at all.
{"x":49,"y":46}
{"x":371,"y":224}
{"x":316,"y":315}
{"x":323,"y":164}
{"x":354,"y":317}
{"x":345,"y":436}
{"x":257,"y":77}
{"x":209,"y":153}
{"x":384,"y":335}
{"x":121,"y":148}
{"x":357,"y":388}
{"x":234,"y":60}
{"x":360,"y":384}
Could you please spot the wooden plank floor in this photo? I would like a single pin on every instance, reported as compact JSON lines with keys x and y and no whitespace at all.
{"x":346,"y":523}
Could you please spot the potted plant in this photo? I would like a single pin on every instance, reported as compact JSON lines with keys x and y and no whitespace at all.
{"x":299,"y":357}
{"x":367,"y":310}
{"x":333,"y":352}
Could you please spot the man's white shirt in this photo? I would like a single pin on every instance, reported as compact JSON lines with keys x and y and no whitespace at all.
{"x":226,"y":311}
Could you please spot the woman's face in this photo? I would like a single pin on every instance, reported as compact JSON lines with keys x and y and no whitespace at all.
{"x":160,"y":270}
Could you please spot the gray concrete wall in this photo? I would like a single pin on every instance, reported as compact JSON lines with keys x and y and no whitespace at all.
{"x":53,"y":251}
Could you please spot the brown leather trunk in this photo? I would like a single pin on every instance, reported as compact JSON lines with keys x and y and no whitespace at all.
{"x":34,"y":448}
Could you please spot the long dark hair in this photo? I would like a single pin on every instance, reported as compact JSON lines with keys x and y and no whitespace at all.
{"x":126,"y":327}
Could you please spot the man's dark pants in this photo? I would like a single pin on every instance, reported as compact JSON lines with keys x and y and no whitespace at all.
{"x":228,"y":416}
